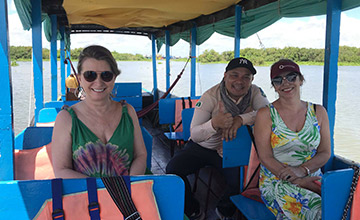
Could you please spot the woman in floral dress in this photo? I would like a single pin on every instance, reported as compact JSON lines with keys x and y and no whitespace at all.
{"x":293,"y":141}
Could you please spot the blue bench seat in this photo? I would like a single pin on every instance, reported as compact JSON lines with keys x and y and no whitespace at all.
{"x":167,"y":109}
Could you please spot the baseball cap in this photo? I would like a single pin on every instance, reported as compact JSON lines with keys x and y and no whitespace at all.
{"x":282,"y":66}
{"x":241,"y":62}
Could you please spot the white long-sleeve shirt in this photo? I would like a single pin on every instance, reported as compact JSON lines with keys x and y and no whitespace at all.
{"x":203,"y":133}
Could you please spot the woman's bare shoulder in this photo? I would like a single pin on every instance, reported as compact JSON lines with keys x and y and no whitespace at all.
{"x":63,"y":117}
{"x":263,"y":111}
{"x":263,"y":117}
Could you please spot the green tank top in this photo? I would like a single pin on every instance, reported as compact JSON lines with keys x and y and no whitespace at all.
{"x":94,"y":158}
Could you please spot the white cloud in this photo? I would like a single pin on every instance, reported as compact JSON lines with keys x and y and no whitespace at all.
{"x":296,"y":32}
{"x":20,"y":37}
{"x":350,"y":31}
{"x":119,"y":43}
{"x":293,"y":32}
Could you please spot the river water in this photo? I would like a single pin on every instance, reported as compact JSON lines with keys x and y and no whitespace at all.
{"x":347,"y":122}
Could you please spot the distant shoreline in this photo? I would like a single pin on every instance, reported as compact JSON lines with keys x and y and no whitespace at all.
{"x":14,"y":62}
{"x":270,"y":63}
{"x":348,"y":56}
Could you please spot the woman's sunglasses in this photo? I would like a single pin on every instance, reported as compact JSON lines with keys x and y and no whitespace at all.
{"x":291,"y":77}
{"x":106,"y":76}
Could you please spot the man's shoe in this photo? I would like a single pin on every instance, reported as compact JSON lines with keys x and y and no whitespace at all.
{"x":198,"y":215}
{"x":221,"y":216}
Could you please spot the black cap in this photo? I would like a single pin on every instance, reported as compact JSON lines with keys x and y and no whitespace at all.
{"x":241,"y":62}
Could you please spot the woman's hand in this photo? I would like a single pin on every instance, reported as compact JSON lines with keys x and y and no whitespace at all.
{"x":290,"y":173}
{"x":309,"y":183}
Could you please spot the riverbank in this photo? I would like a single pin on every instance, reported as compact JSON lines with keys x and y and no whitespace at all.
{"x":348,"y":56}
{"x":270,"y":63}
{"x":159,"y":61}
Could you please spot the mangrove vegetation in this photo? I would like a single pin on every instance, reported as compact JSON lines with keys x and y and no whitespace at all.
{"x":347,"y":55}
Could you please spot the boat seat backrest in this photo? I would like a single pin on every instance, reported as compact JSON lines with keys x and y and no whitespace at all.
{"x":187,"y":115}
{"x":236,"y":153}
{"x":131,"y":92}
{"x":59,"y":104}
{"x":35,"y":137}
{"x":335,"y":189}
{"x":148,"y":140}
{"x":167,"y":109}
{"x":47,"y":117}
{"x":180,"y":105}
{"x":24,"y":199}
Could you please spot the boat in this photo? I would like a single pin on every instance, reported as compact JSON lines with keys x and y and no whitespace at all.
{"x":164,"y":23}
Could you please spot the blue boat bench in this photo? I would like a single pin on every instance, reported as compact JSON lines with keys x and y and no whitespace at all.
{"x":335,"y":183}
{"x":130,"y":92}
{"x":23,"y":199}
{"x":27,"y":196}
{"x":167,"y":108}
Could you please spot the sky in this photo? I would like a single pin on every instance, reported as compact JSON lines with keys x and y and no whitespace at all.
{"x":288,"y":32}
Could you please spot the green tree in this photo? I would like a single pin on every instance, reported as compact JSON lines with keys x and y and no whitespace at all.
{"x":227,"y":55}
{"x":209,"y":56}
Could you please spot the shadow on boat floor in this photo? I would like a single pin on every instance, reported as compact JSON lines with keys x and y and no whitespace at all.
{"x":160,"y":158}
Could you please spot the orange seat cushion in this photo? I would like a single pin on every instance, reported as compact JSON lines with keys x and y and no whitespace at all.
{"x":34,"y":164}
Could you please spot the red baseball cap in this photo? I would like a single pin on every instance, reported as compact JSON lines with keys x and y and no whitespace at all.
{"x":282,"y":66}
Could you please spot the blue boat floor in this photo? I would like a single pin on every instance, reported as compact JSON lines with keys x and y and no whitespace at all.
{"x":160,"y":158}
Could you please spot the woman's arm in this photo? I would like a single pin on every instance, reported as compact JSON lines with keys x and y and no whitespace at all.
{"x":262,"y":133}
{"x":61,"y":147}
{"x":138,"y":164}
{"x":309,"y":183}
{"x":324,"y":149}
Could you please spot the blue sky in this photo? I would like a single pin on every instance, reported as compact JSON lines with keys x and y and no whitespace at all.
{"x":298,"y":32}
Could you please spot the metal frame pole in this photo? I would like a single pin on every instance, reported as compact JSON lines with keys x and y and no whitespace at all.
{"x":167,"y":51}
{"x":53,"y":57}
{"x":6,"y":103}
{"x":237,"y":30}
{"x":37,"y":56}
{"x":331,"y":63}
{"x":193,"y":61}
{"x":153,"y":44}
{"x":62,"y":64}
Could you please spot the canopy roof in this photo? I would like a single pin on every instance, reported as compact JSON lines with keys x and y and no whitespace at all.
{"x":140,"y":13}
{"x":146,"y":17}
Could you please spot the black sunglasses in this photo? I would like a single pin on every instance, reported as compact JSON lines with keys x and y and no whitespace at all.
{"x":291,"y":77}
{"x":106,"y":76}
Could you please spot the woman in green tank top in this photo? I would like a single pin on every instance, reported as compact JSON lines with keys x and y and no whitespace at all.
{"x":293,"y":141}
{"x":97,"y":137}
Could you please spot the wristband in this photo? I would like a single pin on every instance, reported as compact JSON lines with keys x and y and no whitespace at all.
{"x":307,"y":170}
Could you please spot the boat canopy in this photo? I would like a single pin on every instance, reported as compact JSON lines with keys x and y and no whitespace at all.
{"x":145,"y":17}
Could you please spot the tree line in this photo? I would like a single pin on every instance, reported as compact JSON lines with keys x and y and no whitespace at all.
{"x":24,"y":53}
{"x":347,"y":54}
{"x":350,"y":55}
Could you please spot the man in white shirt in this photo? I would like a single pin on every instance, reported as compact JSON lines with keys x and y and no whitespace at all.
{"x":218,"y":114}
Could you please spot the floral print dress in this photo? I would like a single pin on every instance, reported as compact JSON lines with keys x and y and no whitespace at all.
{"x":284,"y":199}
{"x":94,"y":158}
